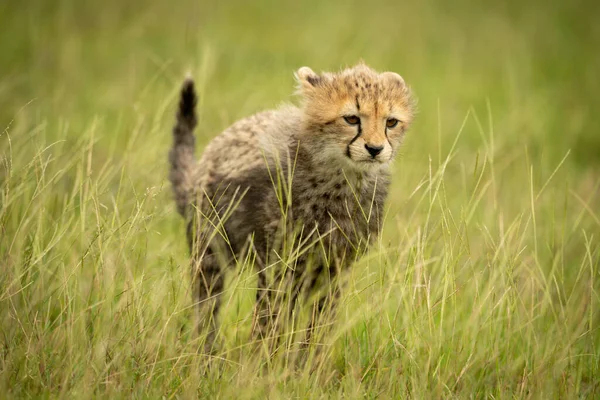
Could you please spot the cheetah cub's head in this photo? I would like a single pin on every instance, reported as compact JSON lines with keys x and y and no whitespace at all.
{"x":357,"y":115}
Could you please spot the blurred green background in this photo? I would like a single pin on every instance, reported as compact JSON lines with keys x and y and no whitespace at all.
{"x":486,"y":281}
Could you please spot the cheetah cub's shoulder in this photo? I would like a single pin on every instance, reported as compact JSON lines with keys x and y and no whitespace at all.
{"x":324,"y":165}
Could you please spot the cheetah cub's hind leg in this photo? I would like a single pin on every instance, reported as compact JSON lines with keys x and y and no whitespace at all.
{"x":207,"y":279}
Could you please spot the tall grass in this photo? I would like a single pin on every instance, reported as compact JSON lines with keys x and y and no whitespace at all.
{"x":485,"y":282}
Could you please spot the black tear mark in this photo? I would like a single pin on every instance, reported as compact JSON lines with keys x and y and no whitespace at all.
{"x":353,"y":140}
{"x":357,"y":104}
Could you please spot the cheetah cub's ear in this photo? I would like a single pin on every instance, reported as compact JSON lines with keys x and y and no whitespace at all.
{"x":309,"y":82}
{"x":307,"y":78}
{"x":393,"y":78}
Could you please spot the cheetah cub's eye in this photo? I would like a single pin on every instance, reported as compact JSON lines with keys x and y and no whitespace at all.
{"x":391,"y":122}
{"x":352,"y":119}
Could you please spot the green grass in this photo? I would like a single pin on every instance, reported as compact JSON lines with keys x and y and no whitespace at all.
{"x":485,"y":282}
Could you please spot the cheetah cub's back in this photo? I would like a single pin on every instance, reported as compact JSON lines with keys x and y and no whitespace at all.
{"x":321,"y":169}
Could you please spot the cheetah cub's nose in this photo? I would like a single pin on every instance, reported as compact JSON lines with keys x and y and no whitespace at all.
{"x":373,"y":150}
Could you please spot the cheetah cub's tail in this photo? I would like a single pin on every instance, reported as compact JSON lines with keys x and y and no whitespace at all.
{"x":181,"y":155}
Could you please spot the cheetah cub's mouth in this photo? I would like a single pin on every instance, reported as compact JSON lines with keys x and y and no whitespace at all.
{"x":357,"y":114}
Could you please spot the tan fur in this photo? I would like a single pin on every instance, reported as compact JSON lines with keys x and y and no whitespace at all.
{"x":332,"y":185}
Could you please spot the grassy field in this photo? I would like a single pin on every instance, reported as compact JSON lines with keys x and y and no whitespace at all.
{"x":485,"y":283}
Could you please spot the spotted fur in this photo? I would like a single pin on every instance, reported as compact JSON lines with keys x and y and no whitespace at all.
{"x":295,"y":174}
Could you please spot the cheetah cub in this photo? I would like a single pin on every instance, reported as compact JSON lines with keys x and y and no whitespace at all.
{"x":311,"y":179}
